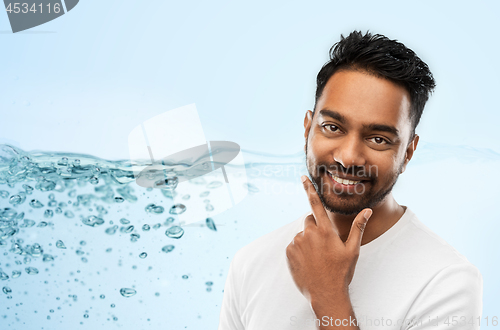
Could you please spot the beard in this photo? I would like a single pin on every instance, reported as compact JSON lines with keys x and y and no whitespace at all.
{"x":348,"y":203}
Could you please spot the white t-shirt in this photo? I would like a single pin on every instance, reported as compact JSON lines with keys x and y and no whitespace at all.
{"x":407,"y":278}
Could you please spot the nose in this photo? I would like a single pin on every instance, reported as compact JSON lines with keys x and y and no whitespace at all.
{"x":350,"y":152}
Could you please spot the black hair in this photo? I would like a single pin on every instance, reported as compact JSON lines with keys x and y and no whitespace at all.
{"x":385,"y":58}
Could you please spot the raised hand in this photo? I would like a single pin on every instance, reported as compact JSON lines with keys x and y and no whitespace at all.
{"x":321,"y":264}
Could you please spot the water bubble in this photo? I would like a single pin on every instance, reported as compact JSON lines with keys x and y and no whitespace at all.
{"x":47,"y":258}
{"x":4,"y":193}
{"x":16,"y":199}
{"x":185,"y":277}
{"x":60,"y":244}
{"x":214,"y":184}
{"x":209,"y":207}
{"x":102,"y":296}
{"x":175,"y":232}
{"x":204,"y":194}
{"x":127,"y":292}
{"x":169,"y":183}
{"x":209,"y":289}
{"x":119,"y":199}
{"x":134,"y":237}
{"x":42,"y":224}
{"x":27,"y":260}
{"x":3,"y":276}
{"x":143,"y":255}
{"x":84,"y":260}
{"x":209,"y":283}
{"x":8,"y":232}
{"x":169,"y":221}
{"x":127,"y":230}
{"x":52,"y":204}
{"x":111,"y":230}
{"x":101,"y":209}
{"x":146,"y":227}
{"x":58,"y":210}
{"x":168,"y":248}
{"x":83,"y":243}
{"x":92,"y":221}
{"x":156,"y":209}
{"x":36,"y":250}
{"x":210,"y":224}
{"x":124,"y":221}
{"x":6,"y":290}
{"x":157,"y":294}
{"x":16,"y":273}
{"x":28,"y":189}
{"x":113,"y":305}
{"x":86,"y":316}
{"x":52,"y":196}
{"x":68,"y":214}
{"x":186,"y":197}
{"x":157,"y":226}
{"x":31,"y":270}
{"x":27,"y":223}
{"x":45,"y":185}
{"x":109,"y":250}
{"x":48,"y":213}
{"x":63,"y":161}
{"x":177,"y":209}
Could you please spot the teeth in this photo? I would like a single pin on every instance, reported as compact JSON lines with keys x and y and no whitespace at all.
{"x":343,"y":181}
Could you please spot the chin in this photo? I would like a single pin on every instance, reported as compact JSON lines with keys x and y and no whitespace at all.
{"x":341,"y":206}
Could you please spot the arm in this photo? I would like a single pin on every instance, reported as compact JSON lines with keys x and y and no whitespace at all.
{"x":451,"y":300}
{"x":229,"y":318}
{"x":334,"y":311}
{"x":322,"y":265}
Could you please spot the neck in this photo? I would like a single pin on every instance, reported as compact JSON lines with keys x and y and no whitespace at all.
{"x":385,"y":215}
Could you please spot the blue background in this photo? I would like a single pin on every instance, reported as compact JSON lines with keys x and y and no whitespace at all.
{"x":82,"y":82}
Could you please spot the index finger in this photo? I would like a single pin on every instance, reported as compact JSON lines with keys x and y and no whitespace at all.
{"x":318,"y":210}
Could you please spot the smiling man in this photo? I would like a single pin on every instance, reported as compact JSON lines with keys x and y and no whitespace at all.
{"x":358,"y":259}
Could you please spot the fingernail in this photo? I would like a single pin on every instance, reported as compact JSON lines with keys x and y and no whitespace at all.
{"x":368,"y":214}
{"x":303,"y":178}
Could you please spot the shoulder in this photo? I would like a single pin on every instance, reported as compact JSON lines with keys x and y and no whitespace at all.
{"x":420,"y":240}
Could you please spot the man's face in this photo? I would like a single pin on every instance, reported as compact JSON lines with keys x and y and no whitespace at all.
{"x":360,"y":132}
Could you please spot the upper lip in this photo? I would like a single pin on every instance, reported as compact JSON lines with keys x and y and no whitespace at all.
{"x":346,"y":177}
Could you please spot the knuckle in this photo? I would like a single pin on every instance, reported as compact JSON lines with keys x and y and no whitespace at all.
{"x":314,"y":200}
{"x":361,"y":226}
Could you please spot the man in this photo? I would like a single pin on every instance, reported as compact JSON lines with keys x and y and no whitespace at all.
{"x":358,"y":260}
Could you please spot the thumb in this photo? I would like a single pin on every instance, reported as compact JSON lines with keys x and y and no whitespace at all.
{"x":357,"y":229}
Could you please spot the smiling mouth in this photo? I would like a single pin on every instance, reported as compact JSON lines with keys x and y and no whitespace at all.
{"x":344,"y":181}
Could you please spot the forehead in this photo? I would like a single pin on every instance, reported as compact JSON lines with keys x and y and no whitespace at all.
{"x":363,"y":98}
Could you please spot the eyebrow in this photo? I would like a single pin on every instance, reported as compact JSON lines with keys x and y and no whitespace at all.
{"x":372,"y":127}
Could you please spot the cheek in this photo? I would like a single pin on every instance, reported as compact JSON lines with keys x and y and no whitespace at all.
{"x":383,"y":168}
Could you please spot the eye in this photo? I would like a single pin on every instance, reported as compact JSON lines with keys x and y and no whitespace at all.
{"x":334,"y":128}
{"x":380,"y":141}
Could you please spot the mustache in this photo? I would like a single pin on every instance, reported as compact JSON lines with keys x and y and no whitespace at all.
{"x":356,"y":171}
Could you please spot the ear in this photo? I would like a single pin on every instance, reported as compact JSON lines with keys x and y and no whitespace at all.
{"x":409,"y":151}
{"x":307,"y":125}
